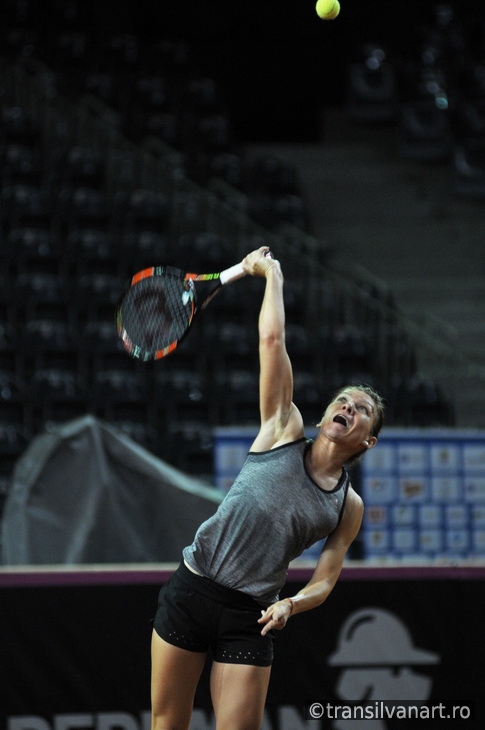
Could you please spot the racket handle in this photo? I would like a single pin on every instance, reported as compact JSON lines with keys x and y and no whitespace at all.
{"x":231,"y":274}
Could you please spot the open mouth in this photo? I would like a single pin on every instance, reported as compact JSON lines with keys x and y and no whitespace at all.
{"x":341,"y":419}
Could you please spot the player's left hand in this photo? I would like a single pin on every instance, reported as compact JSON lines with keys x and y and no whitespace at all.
{"x":275,"y":616}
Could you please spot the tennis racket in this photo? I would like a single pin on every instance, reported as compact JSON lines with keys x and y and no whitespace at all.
{"x":158,"y":309}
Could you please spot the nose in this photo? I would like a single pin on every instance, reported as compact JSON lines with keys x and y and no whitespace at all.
{"x":349,"y":406}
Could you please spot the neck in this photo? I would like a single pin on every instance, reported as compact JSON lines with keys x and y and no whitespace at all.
{"x":325,"y":460}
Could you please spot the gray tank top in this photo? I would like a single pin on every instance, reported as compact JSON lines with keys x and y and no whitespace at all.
{"x":270,"y":515}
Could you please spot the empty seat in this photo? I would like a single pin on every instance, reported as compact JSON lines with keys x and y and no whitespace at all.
{"x":46,"y":298}
{"x":189,"y":447}
{"x":204,"y":94}
{"x":372,"y":87}
{"x":300,"y":345}
{"x":237,"y":392}
{"x":13,"y":440}
{"x":151,"y":93}
{"x":97,"y":340}
{"x":18,"y":127}
{"x":142,"y":209}
{"x":352,"y":355}
{"x":163,"y":124}
{"x":46,"y":331}
{"x":40,"y":333}
{"x":117,"y":384}
{"x":8,"y":317}
{"x":122,"y":51}
{"x":469,"y":122}
{"x":39,"y":295}
{"x":182,"y":394}
{"x":90,"y":250}
{"x":83,"y":207}
{"x":58,"y":409}
{"x":63,"y":359}
{"x":143,"y":248}
{"x":6,"y":468}
{"x":308,"y":395}
{"x":105,"y":85}
{"x":57,"y":394}
{"x":422,"y":403}
{"x":205,"y":251}
{"x":15,"y":426}
{"x":143,"y":433}
{"x":27,"y":206}
{"x":273,"y":210}
{"x":21,"y":164}
{"x":290,"y":208}
{"x":99,"y":288}
{"x":13,"y":391}
{"x":424,"y":131}
{"x":212,"y":132}
{"x":468,"y":170}
{"x":30,"y":248}
{"x":83,"y":168}
{"x":228,"y":166}
{"x":273,"y":174}
{"x":235,"y":346}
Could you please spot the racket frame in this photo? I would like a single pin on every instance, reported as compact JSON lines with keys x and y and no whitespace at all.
{"x":221,"y":278}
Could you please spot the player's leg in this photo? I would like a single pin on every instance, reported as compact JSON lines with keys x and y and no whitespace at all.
{"x":175,"y":675}
{"x":238,"y":694}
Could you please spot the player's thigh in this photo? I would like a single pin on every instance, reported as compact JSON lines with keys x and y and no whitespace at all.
{"x":175,"y":675}
{"x":238,"y":694}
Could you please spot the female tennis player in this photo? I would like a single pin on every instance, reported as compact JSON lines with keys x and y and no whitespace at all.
{"x":290,"y":493}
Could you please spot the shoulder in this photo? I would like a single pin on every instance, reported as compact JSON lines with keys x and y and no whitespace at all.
{"x":352,"y":513}
{"x":354,"y":501}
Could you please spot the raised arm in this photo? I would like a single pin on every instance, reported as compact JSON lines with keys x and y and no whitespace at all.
{"x":280,"y":419}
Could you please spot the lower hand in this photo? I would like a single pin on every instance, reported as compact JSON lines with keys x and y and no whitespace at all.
{"x":275,"y":616}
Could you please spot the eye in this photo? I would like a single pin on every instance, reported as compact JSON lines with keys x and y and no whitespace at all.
{"x":363,"y":409}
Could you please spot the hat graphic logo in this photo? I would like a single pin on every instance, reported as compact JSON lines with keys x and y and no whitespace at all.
{"x":379,"y":661}
{"x":376,"y":637}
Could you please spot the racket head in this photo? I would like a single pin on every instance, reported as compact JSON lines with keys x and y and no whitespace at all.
{"x":156,"y":311}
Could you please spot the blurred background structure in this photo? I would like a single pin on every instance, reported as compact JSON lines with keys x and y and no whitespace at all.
{"x":136,"y":133}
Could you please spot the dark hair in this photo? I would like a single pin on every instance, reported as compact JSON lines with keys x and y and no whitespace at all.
{"x":379,"y":414}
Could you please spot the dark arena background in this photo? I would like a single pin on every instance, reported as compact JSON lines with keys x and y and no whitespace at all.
{"x":189,"y":133}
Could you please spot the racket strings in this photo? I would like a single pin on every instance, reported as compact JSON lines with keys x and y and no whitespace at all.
{"x":157,"y":311}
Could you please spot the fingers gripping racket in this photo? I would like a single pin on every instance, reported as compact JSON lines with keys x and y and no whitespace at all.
{"x":158,"y":309}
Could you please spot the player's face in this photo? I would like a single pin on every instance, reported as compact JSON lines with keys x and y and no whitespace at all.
{"x":350,"y":416}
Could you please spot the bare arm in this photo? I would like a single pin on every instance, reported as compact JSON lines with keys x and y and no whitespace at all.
{"x":327,"y":570}
{"x":280,"y":419}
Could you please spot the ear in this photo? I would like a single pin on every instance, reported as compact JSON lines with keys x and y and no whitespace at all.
{"x":371,"y":442}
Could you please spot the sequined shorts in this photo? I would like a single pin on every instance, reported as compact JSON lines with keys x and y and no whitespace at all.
{"x":197,"y":614}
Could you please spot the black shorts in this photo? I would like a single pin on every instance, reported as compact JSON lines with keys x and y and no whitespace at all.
{"x":195,"y":613}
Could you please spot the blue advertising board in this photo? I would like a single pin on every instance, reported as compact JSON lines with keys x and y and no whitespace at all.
{"x":424,"y":493}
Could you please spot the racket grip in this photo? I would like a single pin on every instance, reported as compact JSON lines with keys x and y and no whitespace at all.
{"x":231,"y":274}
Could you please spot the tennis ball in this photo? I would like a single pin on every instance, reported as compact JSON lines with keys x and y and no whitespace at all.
{"x":327,"y":9}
